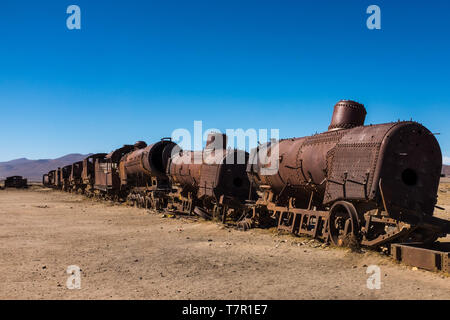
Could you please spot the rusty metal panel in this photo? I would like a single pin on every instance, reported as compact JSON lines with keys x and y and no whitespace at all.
{"x":183,"y":169}
{"x":208,"y":179}
{"x":435,"y":258}
{"x":107,"y":170}
{"x":58,"y":177}
{"x":51,"y":178}
{"x":88,"y":173}
{"x":104,"y":172}
{"x":75,"y":175}
{"x":351,"y":164}
{"x":350,"y":171}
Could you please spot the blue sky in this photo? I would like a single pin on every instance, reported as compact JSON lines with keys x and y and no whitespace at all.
{"x":137,"y":70}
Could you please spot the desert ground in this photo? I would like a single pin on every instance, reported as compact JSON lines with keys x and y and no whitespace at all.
{"x":130,"y":253}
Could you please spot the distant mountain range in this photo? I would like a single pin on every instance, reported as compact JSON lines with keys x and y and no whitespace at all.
{"x":34,"y":169}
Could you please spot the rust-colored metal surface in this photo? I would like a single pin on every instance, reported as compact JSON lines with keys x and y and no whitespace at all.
{"x":347,"y":114}
{"x":184,"y":170}
{"x":107,"y":178}
{"x":75,"y":179}
{"x":354,"y":184}
{"x":88,"y":173}
{"x":214,"y":179}
{"x":16,"y":182}
{"x":57,"y":181}
{"x":51,"y":178}
{"x":45,"y":180}
{"x":65,"y":177}
{"x":146,"y":161}
{"x":213,"y":172}
{"x":143,"y":174}
{"x":222,"y":174}
{"x":385,"y":176}
{"x":433,"y":258}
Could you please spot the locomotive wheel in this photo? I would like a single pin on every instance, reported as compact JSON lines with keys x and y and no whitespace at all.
{"x":343,"y":223}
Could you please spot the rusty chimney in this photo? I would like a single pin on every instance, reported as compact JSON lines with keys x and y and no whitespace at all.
{"x":216,"y":141}
{"x":347,"y":114}
{"x":139,"y":145}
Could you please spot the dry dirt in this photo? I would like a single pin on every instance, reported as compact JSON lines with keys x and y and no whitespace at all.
{"x":129,"y":253}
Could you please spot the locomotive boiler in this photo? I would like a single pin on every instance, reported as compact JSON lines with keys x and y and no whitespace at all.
{"x":212,"y":182}
{"x":143,"y":174}
{"x":371,"y":183}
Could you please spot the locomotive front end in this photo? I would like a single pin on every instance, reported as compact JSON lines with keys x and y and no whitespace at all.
{"x":408,"y":170}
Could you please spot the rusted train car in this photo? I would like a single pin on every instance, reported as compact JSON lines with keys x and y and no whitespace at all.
{"x":371,"y":183}
{"x":75,"y":178}
{"x":88,"y":173}
{"x":107,"y":176}
{"x":50,"y":181}
{"x":212,"y":182}
{"x":66,"y":172}
{"x":46,"y":180}
{"x":57,"y":182}
{"x":143,"y":174}
{"x":16,"y":182}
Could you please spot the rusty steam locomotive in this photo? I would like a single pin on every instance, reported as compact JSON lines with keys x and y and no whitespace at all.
{"x":373,"y":184}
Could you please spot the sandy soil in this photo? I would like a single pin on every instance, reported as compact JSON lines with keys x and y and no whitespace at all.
{"x":128,"y":253}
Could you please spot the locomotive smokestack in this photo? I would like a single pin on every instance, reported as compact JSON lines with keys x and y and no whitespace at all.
{"x":216,"y":141}
{"x":347,"y":114}
{"x":140,"y":145}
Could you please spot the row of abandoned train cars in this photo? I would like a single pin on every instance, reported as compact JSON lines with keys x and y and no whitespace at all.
{"x":375,"y":185}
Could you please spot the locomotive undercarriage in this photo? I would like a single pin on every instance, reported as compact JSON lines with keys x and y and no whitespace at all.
{"x":155,"y":199}
{"x":181,"y":201}
{"x":228,"y":210}
{"x":224,"y":209}
{"x":105,"y":193}
{"x":77,"y":187}
{"x":346,"y":223}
